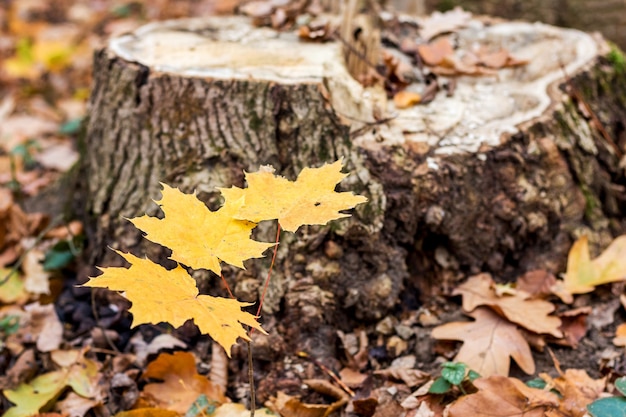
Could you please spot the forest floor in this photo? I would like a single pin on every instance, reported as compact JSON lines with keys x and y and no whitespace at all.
{"x":53,"y":336}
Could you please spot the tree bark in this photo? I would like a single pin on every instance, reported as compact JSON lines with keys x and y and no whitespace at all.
{"x":500,"y":176}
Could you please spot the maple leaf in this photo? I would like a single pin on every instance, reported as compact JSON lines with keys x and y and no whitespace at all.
{"x":584,"y":274}
{"x":499,"y":396}
{"x":489,"y":341}
{"x":310,"y":199}
{"x":182,"y":385}
{"x":199,"y":237}
{"x":531,"y":314}
{"x":161,"y":295}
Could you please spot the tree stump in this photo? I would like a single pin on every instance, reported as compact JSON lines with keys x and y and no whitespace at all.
{"x":500,"y":175}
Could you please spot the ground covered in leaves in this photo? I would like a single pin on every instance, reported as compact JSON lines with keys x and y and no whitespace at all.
{"x":543,"y":345}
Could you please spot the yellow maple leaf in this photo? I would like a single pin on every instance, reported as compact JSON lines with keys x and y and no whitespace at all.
{"x":199,"y":237}
{"x":311,"y":199}
{"x":161,"y":295}
{"x":584,"y":274}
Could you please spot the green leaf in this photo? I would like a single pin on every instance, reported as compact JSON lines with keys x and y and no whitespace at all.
{"x":61,"y":254}
{"x":454,"y":372}
{"x":440,"y":386}
{"x":71,"y":127}
{"x":57,"y":259}
{"x":536,"y":383}
{"x":9,"y":324}
{"x":472,"y":375}
{"x":620,"y":384}
{"x":202,"y":406}
{"x":608,"y":407}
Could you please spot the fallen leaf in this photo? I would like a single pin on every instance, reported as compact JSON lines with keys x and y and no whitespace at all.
{"x":584,"y":274}
{"x":75,"y":406}
{"x":44,"y":326}
{"x":181,"y":385}
{"x":148,"y":412}
{"x":405,"y":99}
{"x":530,"y":314}
{"x":434,"y":53}
{"x":12,"y":291}
{"x":161,"y":295}
{"x":489,"y":341}
{"x":310,"y":199}
{"x":77,"y":372}
{"x":577,"y":390}
{"x":499,"y":396}
{"x":36,"y":279}
{"x":199,"y":237}
{"x":438,"y":23}
{"x":620,"y":335}
{"x":30,"y":397}
{"x":162,"y":341}
{"x":574,"y":325}
{"x":538,"y":283}
{"x":289,"y":406}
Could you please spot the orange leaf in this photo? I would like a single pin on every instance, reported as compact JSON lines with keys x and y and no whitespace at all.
{"x":434,"y":53}
{"x":531,"y":314}
{"x":406,"y":99}
{"x":198,"y":237}
{"x":499,"y":396}
{"x":161,"y":295}
{"x":584,"y":274}
{"x":310,"y":199}
{"x":182,"y":385}
{"x":488,"y":343}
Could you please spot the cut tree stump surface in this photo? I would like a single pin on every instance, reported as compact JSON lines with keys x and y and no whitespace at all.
{"x":499,"y":176}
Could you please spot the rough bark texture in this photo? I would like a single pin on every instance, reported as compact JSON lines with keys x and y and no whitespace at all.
{"x":509,"y":206}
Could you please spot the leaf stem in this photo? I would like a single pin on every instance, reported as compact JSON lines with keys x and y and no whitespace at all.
{"x":269,"y":272}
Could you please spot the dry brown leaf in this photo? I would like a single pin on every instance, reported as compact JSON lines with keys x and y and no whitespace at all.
{"x":489,"y":341}
{"x":181,"y":384}
{"x":574,"y":326}
{"x":500,"y":396}
{"x":537,"y":283}
{"x":352,"y":378}
{"x":530,"y":314}
{"x":411,"y":377}
{"x":289,"y":406}
{"x":44,"y":325}
{"x":434,"y":53}
{"x":577,"y":390}
{"x":76,"y":406}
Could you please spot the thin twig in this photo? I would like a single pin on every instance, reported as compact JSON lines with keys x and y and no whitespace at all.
{"x":269,"y":272}
{"x":94,"y":310}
